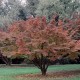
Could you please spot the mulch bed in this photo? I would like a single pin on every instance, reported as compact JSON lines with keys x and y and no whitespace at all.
{"x":52,"y":74}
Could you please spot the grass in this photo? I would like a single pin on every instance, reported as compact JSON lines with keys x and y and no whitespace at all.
{"x":10,"y":73}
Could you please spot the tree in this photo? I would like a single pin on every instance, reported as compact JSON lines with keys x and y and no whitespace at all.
{"x":65,"y":8}
{"x":12,"y":11}
{"x":32,"y":6}
{"x":6,"y":47}
{"x":40,"y":41}
{"x":22,"y":15}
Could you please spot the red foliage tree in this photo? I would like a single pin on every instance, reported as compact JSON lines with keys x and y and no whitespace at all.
{"x":41,"y":41}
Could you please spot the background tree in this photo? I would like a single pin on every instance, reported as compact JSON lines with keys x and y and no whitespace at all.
{"x":65,"y":8}
{"x":12,"y":11}
{"x":32,"y":6}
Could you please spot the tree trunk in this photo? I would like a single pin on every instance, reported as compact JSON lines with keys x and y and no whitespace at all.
{"x":6,"y":60}
{"x":42,"y":63}
{"x":43,"y":72}
{"x":9,"y":62}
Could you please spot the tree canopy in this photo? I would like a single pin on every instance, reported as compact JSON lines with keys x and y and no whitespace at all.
{"x":39,"y":41}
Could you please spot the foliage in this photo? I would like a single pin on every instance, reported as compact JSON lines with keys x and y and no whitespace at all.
{"x":39,"y":41}
{"x":11,"y":11}
{"x":14,"y":10}
{"x":32,"y":6}
{"x":65,"y":8}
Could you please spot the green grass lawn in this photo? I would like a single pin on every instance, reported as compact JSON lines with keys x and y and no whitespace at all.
{"x":9,"y":73}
